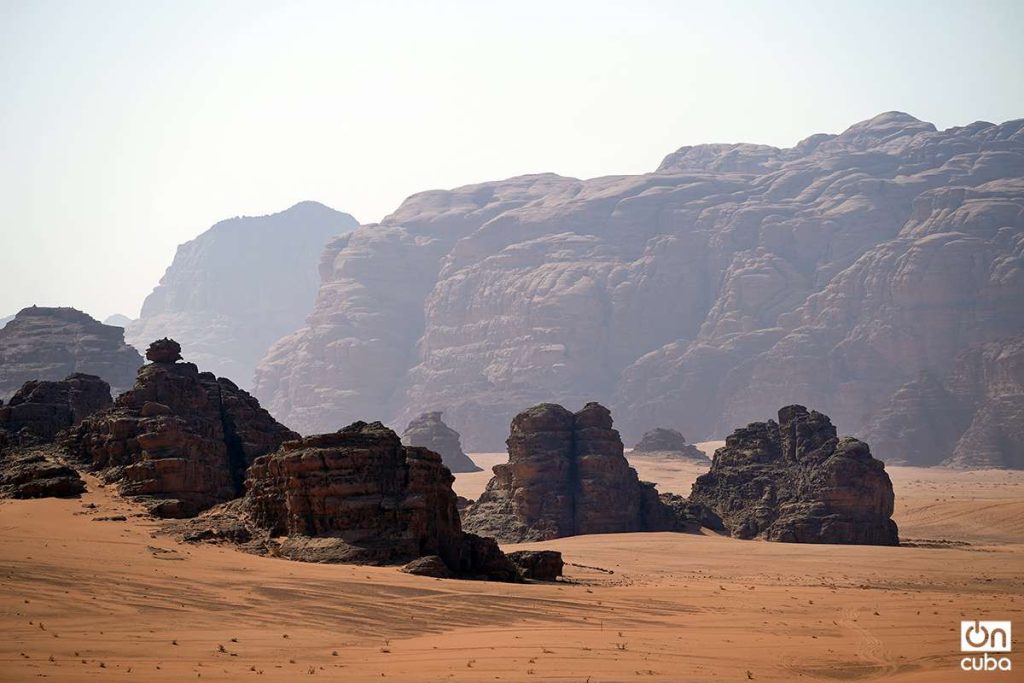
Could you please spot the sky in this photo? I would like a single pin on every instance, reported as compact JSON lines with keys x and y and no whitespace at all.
{"x":128,"y":128}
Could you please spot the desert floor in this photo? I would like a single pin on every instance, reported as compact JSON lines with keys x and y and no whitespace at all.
{"x":86,"y":597}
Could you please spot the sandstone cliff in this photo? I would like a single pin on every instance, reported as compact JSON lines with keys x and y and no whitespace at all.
{"x":795,"y":481}
{"x":235,"y":289}
{"x":566,"y":476}
{"x":970,"y":416}
{"x":703,"y":294}
{"x":51,"y":343}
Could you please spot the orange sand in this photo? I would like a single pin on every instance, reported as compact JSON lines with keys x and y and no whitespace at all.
{"x":87,"y":600}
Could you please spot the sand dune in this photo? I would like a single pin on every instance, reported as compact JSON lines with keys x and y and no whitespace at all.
{"x":117,"y":600}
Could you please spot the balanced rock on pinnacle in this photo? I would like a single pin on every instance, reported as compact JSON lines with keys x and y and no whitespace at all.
{"x":180,"y":439}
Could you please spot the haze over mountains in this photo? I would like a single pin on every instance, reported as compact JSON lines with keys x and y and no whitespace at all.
{"x":877,"y":275}
{"x":842,"y":272}
{"x":238,"y":287}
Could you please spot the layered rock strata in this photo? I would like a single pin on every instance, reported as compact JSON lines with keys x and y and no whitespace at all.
{"x":566,"y":475}
{"x":48,"y":344}
{"x":180,"y":439}
{"x":356,"y":496}
{"x":730,"y":280}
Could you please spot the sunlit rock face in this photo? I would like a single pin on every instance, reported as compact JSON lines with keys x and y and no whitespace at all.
{"x":240,"y":286}
{"x":732,"y":279}
{"x":49,"y":344}
{"x":180,"y":440}
{"x":566,"y":476}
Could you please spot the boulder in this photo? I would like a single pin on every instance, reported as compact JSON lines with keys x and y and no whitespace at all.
{"x":795,"y":481}
{"x":431,"y":565}
{"x":428,"y":431}
{"x":566,"y":475}
{"x":538,"y":565}
{"x":48,"y":344}
{"x":668,"y":442}
{"x":180,"y":440}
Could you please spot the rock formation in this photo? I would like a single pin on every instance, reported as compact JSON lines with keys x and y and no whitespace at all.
{"x":180,"y":439}
{"x":565,"y":476}
{"x":357,"y":496}
{"x":37,"y":472}
{"x":52,"y":343}
{"x":731,"y":279}
{"x":41,"y":409}
{"x":668,"y":442}
{"x":240,"y":286}
{"x":795,"y":481}
{"x":428,"y":431}
{"x":538,"y":565}
{"x":970,"y":416}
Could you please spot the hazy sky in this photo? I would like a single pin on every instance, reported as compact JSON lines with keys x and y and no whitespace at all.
{"x":127,"y":128}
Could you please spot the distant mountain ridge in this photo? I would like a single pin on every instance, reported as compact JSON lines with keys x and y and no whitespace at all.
{"x":51,"y":343}
{"x":238,"y":287}
{"x":731,"y":280}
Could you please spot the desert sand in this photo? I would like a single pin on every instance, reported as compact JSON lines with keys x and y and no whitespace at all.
{"x":88,"y":596}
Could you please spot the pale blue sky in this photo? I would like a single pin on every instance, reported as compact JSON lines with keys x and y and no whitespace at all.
{"x":129,"y":127}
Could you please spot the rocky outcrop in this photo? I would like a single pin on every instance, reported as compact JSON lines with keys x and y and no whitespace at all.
{"x":180,"y":439}
{"x":41,"y":409}
{"x":538,"y":565}
{"x":970,"y":416}
{"x":795,"y":481}
{"x":668,"y":442}
{"x":358,"y":496}
{"x":240,"y":286}
{"x":731,"y":279}
{"x":565,"y":476}
{"x":52,"y":343}
{"x":37,"y":472}
{"x":430,"y":432}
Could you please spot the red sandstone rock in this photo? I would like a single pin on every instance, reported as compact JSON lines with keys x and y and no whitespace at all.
{"x":181,"y":439}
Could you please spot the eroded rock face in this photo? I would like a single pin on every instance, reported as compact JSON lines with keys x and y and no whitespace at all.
{"x":669,"y":442}
{"x":834,"y":272}
{"x":240,"y":286}
{"x":429,"y":431}
{"x":795,"y":481}
{"x":970,"y":416}
{"x":48,"y":344}
{"x":41,"y":409}
{"x":180,"y":439}
{"x":37,"y":472}
{"x":565,"y":476}
{"x":359,"y":496}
